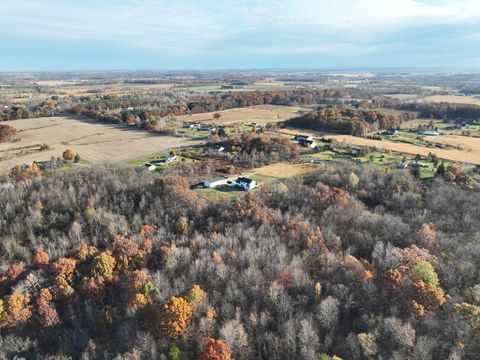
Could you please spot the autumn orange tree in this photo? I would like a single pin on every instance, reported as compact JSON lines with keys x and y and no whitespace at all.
{"x":174,"y":317}
{"x":15,"y":309}
{"x":48,"y":315}
{"x":215,"y":350}
{"x":63,"y":270}
{"x":40,"y":258}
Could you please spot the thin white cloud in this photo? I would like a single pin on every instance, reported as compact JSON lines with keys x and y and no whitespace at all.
{"x":191,"y":27}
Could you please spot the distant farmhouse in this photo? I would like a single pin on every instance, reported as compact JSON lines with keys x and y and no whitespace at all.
{"x":216,"y":148}
{"x":213,"y":183}
{"x":246,"y":183}
{"x":305,"y":140}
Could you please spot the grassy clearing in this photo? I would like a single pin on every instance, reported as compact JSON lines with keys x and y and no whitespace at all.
{"x":200,"y":89}
{"x":282,"y":170}
{"x":262,"y":113}
{"x":453,"y":99}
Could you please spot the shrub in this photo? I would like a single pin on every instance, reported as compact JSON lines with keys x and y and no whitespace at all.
{"x":7,"y":133}
{"x":68,"y":155}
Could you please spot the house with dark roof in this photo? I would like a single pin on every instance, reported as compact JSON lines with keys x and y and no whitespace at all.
{"x":246,"y":183}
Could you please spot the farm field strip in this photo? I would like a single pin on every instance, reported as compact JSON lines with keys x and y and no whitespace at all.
{"x":94,"y":142}
{"x":264,"y":113}
{"x":453,"y":99}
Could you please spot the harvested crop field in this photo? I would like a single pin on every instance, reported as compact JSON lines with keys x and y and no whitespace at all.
{"x":453,"y":99}
{"x":283,"y":170}
{"x":416,"y":122}
{"x":261,"y":113}
{"x":467,"y":155}
{"x":463,"y":143}
{"x":95,"y":142}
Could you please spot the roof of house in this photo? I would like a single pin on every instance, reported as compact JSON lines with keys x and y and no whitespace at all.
{"x":214,"y":180}
{"x":301,"y":137}
{"x":244,"y":180}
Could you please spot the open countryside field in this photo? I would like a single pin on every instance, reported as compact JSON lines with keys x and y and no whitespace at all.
{"x":464,"y":143}
{"x":58,"y":88}
{"x":282,"y":170}
{"x":95,"y":142}
{"x":261,"y":113}
{"x":453,"y":99}
{"x":416,"y":122}
{"x":470,"y":155}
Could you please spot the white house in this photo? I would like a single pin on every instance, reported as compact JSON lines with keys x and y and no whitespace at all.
{"x":303,"y":138}
{"x":246,"y":183}
{"x":430,"y":133}
{"x":149,"y":166}
{"x":213,"y":183}
{"x":216,"y":148}
{"x":171,"y":158}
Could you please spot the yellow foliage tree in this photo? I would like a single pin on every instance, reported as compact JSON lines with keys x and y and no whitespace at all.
{"x":195,"y":296}
{"x":174,"y":317}
{"x":14,"y":309}
{"x":470,"y":314}
{"x":103,"y":265}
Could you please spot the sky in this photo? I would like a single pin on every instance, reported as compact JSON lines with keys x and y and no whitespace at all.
{"x":37,"y":35}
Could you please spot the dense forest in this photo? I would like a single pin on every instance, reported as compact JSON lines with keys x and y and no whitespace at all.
{"x":344,"y":121}
{"x":348,"y":262}
{"x":445,"y":111}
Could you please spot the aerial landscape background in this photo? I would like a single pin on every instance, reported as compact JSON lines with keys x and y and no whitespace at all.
{"x":280,"y":179}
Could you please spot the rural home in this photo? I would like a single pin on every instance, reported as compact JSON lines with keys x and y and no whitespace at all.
{"x":390,"y":132}
{"x":149,"y":166}
{"x":216,"y":148}
{"x":430,"y":133}
{"x":303,"y":138}
{"x":246,"y":183}
{"x":213,"y":183}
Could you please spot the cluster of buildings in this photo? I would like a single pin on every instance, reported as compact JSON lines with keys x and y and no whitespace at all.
{"x":153,"y":165}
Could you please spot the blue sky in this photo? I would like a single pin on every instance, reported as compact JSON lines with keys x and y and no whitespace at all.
{"x":237,"y":34}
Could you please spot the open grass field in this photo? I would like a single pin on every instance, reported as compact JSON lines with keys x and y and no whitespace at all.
{"x":416,"y":122}
{"x":464,"y":143}
{"x":95,"y":142}
{"x":282,"y":170}
{"x":453,"y":99}
{"x":261,"y":113}
{"x":64,"y":89}
{"x":84,"y":90}
{"x":467,"y":156}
